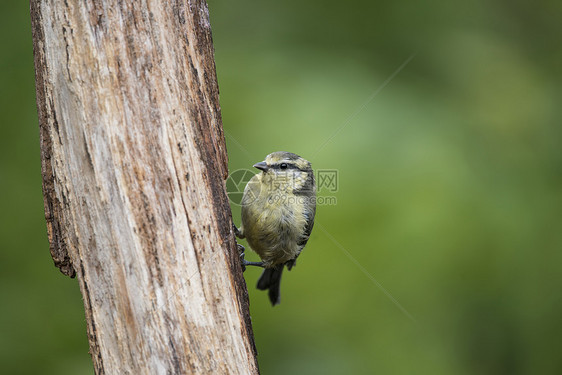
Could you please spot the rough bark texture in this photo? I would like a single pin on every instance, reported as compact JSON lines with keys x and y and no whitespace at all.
{"x":134,"y":162}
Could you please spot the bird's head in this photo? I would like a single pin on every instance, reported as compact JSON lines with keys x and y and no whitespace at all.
{"x":286,"y":172}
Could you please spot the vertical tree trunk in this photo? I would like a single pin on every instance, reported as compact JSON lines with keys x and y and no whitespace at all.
{"x":133,"y":162}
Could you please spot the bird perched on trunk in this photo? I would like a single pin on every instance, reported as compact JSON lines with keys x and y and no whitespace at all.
{"x":278,"y":209}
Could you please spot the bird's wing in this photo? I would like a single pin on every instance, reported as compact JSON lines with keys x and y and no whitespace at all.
{"x":309,"y":213}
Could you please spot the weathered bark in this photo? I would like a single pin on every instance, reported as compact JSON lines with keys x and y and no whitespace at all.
{"x":134,"y":162}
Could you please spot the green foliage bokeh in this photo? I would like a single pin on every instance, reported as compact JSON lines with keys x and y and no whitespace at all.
{"x":443,"y":252}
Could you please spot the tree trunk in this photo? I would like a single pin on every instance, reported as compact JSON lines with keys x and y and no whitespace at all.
{"x":133,"y":163}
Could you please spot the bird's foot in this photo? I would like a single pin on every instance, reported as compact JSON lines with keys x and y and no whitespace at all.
{"x":244,"y":262}
{"x":241,"y":249}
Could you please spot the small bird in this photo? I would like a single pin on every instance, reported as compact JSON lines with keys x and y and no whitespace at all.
{"x":278,"y":208}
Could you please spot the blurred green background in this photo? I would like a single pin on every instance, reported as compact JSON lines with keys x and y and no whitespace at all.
{"x":450,"y":186}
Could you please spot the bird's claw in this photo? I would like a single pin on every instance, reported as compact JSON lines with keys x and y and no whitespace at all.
{"x":243,"y":261}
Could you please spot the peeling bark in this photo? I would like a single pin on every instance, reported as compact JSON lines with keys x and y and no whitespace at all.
{"x":133,"y":163}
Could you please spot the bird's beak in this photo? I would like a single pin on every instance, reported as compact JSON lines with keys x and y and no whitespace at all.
{"x":261,"y":165}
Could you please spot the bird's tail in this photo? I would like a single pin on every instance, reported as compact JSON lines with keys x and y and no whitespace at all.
{"x":271,"y":279}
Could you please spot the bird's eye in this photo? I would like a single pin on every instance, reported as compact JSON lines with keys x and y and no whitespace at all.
{"x":283,"y":166}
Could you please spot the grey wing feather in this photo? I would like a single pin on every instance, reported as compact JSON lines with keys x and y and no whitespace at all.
{"x":309,"y":213}
{"x":308,"y":227}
